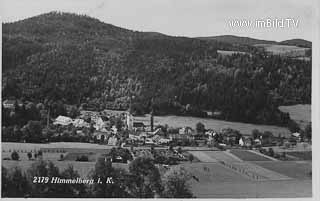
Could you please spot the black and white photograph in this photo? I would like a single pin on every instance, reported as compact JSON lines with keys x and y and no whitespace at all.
{"x":157,"y":98}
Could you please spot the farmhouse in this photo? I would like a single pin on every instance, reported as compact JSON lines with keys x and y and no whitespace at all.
{"x":101,"y":136}
{"x":138,"y":126}
{"x":185,"y":131}
{"x":63,"y":120}
{"x":10,"y":104}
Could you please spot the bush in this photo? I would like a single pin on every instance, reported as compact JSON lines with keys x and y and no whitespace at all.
{"x":271,"y":152}
{"x":15,"y":156}
{"x":29,"y":154}
{"x":191,"y":157}
{"x":82,"y":158}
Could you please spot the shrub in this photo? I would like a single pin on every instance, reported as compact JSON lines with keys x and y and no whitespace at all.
{"x":15,"y":156}
{"x":82,"y":158}
{"x":29,"y":154}
{"x":271,"y":152}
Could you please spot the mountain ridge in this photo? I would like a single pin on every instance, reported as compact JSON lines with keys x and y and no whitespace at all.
{"x":80,"y":60}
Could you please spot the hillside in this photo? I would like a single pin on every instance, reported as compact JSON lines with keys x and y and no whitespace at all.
{"x":79,"y":60}
{"x":237,"y":40}
{"x":297,"y":42}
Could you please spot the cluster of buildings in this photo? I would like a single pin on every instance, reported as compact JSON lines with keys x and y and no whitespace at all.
{"x":134,"y":132}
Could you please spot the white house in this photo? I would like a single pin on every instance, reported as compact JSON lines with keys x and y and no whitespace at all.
{"x":63,"y":120}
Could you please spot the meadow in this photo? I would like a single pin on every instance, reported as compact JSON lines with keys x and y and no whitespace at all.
{"x":182,"y":121}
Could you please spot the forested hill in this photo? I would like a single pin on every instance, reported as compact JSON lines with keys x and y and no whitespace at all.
{"x":297,"y":42}
{"x":76,"y":59}
{"x":237,"y":40}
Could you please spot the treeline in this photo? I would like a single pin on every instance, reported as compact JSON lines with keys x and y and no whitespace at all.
{"x":141,"y":180}
{"x":182,"y":76}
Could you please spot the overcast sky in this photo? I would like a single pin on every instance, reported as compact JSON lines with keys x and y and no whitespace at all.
{"x":179,"y":17}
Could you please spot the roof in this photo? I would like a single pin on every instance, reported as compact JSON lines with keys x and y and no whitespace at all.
{"x":9,"y":102}
{"x":138,"y":124}
{"x":63,"y":120}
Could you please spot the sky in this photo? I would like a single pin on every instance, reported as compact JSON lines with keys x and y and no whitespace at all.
{"x":191,"y":18}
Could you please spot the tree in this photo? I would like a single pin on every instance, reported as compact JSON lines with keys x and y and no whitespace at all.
{"x":14,"y":183}
{"x":271,"y":152}
{"x":175,"y":183}
{"x":73,"y":190}
{"x":308,"y":131}
{"x":191,"y":157}
{"x":33,"y":131}
{"x":200,"y":128}
{"x":293,"y":126}
{"x":104,"y":171}
{"x":51,"y":190}
{"x":146,"y":182}
{"x":255,"y":133}
{"x":74,"y":112}
{"x":15,"y":156}
{"x":29,"y":154}
{"x":5,"y":182}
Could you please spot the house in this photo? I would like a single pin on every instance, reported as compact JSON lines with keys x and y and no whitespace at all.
{"x":99,"y":123}
{"x":80,"y":123}
{"x":138,"y":126}
{"x":210,"y":133}
{"x":149,"y":141}
{"x":114,"y":129}
{"x":164,"y":141}
{"x":179,"y":137}
{"x":112,"y":141}
{"x":230,"y":138}
{"x":217,"y":114}
{"x":101,"y":136}
{"x":185,"y":131}
{"x":62,"y":120}
{"x":156,"y":138}
{"x":158,"y":132}
{"x":10,"y":104}
{"x":257,"y":142}
{"x":245,"y":141}
{"x":209,"y":113}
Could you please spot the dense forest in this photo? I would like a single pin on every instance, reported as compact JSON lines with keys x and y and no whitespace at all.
{"x":79,"y":60}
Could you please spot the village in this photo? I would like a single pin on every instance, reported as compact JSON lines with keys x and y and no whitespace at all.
{"x":114,"y":129}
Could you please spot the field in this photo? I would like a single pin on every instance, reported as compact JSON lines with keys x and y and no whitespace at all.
{"x":294,"y":169}
{"x":266,"y":189}
{"x":181,"y":121}
{"x":83,"y":168}
{"x":248,"y":156}
{"x":212,"y":180}
{"x":211,"y":173}
{"x":299,"y":113}
{"x":305,"y":155}
{"x":229,"y":53}
{"x":285,"y":50}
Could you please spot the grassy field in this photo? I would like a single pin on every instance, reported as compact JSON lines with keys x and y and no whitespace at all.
{"x":229,"y":53}
{"x":248,"y":156}
{"x":297,"y":170}
{"x":299,"y":113}
{"x":305,"y":155}
{"x":211,"y":173}
{"x":211,"y":180}
{"x":83,"y":168}
{"x":266,"y":189}
{"x":286,"y":50}
{"x":181,"y":121}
